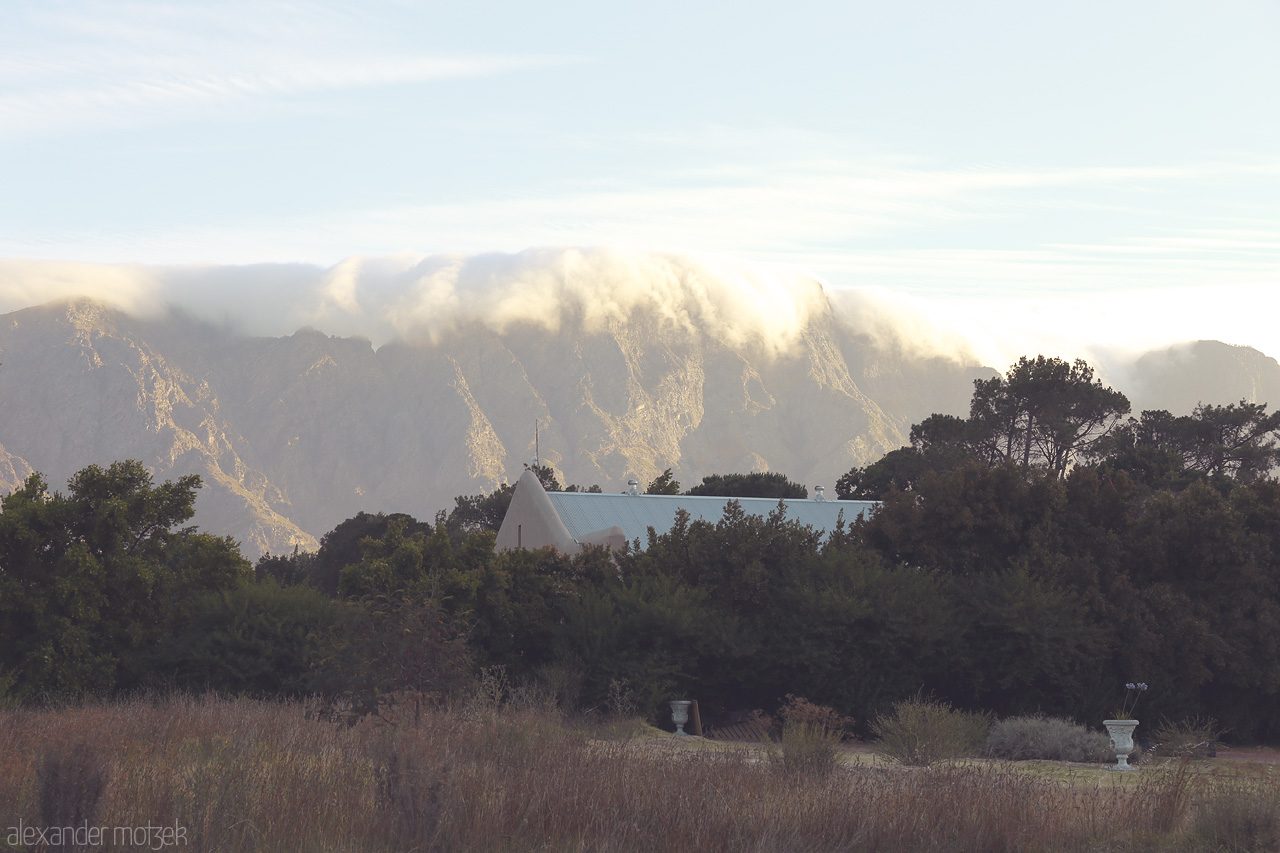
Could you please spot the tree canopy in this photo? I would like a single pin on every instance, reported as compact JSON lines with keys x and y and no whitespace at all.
{"x":663,"y":484}
{"x":91,"y":581}
{"x":1043,"y":413}
{"x":767,"y":484}
{"x":1238,"y":443}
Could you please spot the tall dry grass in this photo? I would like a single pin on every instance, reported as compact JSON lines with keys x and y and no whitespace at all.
{"x":245,"y":775}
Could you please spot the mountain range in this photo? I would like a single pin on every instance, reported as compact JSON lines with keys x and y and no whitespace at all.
{"x":293,"y":434}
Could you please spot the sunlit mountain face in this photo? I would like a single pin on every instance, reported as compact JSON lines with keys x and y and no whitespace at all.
{"x":414,"y":380}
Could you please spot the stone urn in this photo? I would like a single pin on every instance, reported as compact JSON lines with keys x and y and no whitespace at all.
{"x":680,"y":714}
{"x":1121,"y":732}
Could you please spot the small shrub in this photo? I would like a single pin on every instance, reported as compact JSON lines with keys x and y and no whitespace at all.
{"x":808,"y":749}
{"x":489,"y":690}
{"x":1191,"y":737}
{"x":798,"y":711}
{"x":621,"y":701}
{"x":619,"y":719}
{"x":563,"y":684}
{"x":1047,"y":738}
{"x":922,"y":730}
{"x":811,"y":736}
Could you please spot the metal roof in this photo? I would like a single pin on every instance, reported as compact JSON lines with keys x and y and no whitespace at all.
{"x":587,"y":512}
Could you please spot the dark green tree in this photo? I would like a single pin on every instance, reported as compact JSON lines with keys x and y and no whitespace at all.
{"x":663,"y":484}
{"x":1043,"y":412}
{"x":343,"y":546}
{"x":1226,"y":444}
{"x":93,"y":580}
{"x":938,"y":443}
{"x":754,"y":485}
{"x":258,"y":639}
{"x":480,"y":512}
{"x":287,"y":570}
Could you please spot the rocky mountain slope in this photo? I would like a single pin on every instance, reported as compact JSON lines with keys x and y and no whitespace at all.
{"x":1180,"y":377}
{"x":293,"y":434}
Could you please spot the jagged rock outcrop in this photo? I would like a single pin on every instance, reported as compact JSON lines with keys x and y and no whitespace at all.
{"x":82,"y":385}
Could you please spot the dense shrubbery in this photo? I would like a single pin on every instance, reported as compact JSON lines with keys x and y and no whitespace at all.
{"x":1048,"y":738}
{"x":94,"y":581}
{"x":996,"y":576}
{"x":922,"y":730}
{"x":996,"y":589}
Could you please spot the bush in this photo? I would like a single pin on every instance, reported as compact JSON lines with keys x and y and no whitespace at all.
{"x":811,"y":736}
{"x":798,"y":711}
{"x":257,"y":639}
{"x":1191,"y":737}
{"x":1048,"y":738}
{"x":922,"y":730}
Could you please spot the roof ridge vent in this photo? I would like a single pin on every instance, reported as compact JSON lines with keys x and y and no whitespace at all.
{"x":819,"y":496}
{"x":633,"y":486}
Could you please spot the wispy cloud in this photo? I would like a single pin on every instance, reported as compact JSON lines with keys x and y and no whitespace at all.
{"x":126,"y":63}
{"x":856,"y":223}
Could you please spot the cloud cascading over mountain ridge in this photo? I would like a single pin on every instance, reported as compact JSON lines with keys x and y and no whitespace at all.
{"x":629,"y":362}
{"x":424,"y":298}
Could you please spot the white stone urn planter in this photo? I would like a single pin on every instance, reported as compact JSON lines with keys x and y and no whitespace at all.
{"x":680,"y":714}
{"x":1121,"y":732}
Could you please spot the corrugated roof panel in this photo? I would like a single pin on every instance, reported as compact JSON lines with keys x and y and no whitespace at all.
{"x":587,"y":512}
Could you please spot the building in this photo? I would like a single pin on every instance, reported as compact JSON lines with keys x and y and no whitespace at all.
{"x":567,"y":521}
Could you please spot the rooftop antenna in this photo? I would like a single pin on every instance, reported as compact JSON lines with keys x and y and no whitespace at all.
{"x":537,"y":462}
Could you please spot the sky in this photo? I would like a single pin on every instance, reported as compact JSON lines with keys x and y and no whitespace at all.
{"x":1037,"y":175}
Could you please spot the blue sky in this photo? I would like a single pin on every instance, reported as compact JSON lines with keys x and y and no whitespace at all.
{"x":1103,"y":172}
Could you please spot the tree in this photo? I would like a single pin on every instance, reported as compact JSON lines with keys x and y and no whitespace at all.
{"x":968,"y":521}
{"x":663,"y":484}
{"x":938,"y":443}
{"x":257,"y":639}
{"x":480,"y":512}
{"x":1231,"y":443}
{"x":289,"y":570}
{"x":1152,"y":450}
{"x":899,"y":469}
{"x":93,"y":580}
{"x":1042,"y":412}
{"x":343,"y":545}
{"x":1237,"y":441}
{"x":754,"y":485}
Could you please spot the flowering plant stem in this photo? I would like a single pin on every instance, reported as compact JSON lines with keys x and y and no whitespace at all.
{"x":1131,"y":694}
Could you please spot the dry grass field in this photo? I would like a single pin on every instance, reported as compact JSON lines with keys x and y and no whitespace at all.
{"x":241,"y":775}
